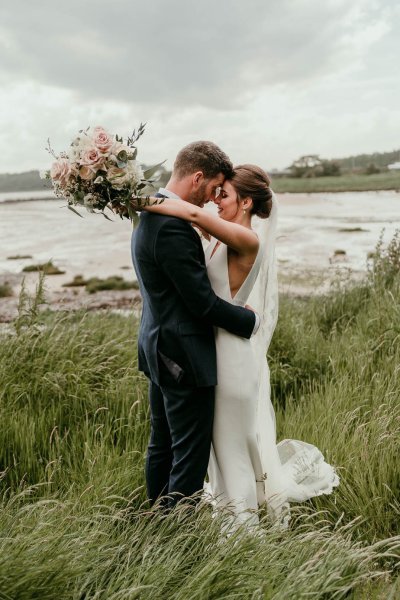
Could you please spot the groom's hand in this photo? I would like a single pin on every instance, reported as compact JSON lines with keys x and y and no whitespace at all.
{"x":257,"y":323}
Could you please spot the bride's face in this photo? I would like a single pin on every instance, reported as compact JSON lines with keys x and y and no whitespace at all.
{"x":227,"y":203}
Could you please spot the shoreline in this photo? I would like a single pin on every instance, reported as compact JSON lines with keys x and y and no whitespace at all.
{"x":319,"y":235}
{"x":300,"y":283}
{"x":276,"y":188}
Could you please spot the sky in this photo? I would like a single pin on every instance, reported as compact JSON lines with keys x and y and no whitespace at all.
{"x":267,"y":80}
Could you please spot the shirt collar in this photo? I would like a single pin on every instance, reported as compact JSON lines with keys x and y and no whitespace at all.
{"x":168,"y":193}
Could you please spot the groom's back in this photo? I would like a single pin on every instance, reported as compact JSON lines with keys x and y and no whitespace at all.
{"x":157,"y":288}
{"x":168,"y":323}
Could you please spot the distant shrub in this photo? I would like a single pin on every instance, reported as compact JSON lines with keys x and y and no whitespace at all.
{"x":5,"y":290}
{"x":330,"y":168}
{"x":46,"y":268}
{"x":19,"y":256}
{"x":372,"y":169}
{"x":78,"y":281}
{"x":352,"y":230}
{"x":96,"y":284}
{"x":115,"y":282}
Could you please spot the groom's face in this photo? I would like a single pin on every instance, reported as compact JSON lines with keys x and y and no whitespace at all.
{"x":206,"y":190}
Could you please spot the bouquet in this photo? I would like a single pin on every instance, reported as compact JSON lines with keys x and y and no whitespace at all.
{"x":100,"y":171}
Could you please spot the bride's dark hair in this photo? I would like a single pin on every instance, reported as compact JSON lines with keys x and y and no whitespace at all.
{"x":251,"y":181}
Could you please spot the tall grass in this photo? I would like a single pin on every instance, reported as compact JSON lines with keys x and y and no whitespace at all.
{"x":74,"y":522}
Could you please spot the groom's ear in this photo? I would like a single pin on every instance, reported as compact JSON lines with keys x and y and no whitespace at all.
{"x":197,"y":178}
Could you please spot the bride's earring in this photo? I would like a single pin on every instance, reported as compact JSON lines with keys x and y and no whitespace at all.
{"x":244,"y":211}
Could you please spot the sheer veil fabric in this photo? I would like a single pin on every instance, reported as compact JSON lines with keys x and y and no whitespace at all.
{"x":293,"y":471}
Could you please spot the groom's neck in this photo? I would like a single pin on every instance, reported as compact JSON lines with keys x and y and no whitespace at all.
{"x":180,"y":187}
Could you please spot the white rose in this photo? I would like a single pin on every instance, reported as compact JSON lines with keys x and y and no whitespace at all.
{"x":136,"y":171}
{"x":120,"y":177}
{"x":116,"y":177}
{"x":79,"y":146}
{"x":89,"y":200}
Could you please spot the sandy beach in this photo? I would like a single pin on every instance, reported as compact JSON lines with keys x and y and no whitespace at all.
{"x":312,"y":228}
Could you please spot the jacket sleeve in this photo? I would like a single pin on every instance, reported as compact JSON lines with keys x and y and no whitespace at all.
{"x":178,"y":252}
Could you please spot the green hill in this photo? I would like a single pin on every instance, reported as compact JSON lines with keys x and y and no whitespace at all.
{"x":22,"y":182}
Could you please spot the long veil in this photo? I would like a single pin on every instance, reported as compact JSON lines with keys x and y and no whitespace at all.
{"x":291,"y":470}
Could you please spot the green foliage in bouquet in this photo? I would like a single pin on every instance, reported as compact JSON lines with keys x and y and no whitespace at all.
{"x":100,"y":171}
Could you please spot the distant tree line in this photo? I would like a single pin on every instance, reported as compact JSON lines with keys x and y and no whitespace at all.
{"x":23,"y":182}
{"x":362,"y":161}
{"x":312,"y":165}
{"x":30,"y":181}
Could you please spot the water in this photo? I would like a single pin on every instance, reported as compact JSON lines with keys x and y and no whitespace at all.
{"x":310,"y":226}
{"x":309,"y":233}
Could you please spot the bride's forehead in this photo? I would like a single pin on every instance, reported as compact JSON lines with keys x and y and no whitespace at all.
{"x":228,"y":187}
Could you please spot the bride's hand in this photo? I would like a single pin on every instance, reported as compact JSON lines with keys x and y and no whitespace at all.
{"x":135,"y":202}
{"x":120,"y":209}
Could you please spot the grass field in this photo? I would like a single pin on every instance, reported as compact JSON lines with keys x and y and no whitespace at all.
{"x":74,"y":523}
{"x":344,"y":183}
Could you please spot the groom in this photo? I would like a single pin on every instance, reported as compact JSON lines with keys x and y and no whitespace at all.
{"x":176,"y":344}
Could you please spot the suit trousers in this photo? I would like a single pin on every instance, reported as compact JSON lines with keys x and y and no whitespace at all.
{"x":180,"y":440}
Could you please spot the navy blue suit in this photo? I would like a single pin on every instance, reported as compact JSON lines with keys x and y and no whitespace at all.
{"x":176,"y":351}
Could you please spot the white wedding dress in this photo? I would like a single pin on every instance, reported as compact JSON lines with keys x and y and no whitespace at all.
{"x":247,"y":467}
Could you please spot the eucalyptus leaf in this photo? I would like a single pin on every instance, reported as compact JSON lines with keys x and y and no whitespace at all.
{"x":149,"y":172}
{"x":79,"y":196}
{"x":106,"y":216}
{"x":131,"y":212}
{"x":74,"y":211}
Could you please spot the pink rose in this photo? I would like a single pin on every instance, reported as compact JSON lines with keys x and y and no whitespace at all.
{"x":90,"y":156}
{"x":102,"y":139}
{"x":61,"y":171}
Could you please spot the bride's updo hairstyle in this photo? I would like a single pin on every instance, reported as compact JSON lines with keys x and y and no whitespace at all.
{"x":251,"y":181}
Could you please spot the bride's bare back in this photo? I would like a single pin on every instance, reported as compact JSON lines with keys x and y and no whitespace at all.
{"x":238,"y":268}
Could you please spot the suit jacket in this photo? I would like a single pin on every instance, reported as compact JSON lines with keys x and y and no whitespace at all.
{"x":179,"y":305}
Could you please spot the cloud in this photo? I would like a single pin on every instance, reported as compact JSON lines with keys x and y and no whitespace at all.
{"x":268,"y":80}
{"x":180,"y":53}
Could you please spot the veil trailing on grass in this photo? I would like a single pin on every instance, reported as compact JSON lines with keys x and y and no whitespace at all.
{"x":292,"y":470}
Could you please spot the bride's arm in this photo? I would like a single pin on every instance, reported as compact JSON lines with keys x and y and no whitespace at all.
{"x":239,"y":238}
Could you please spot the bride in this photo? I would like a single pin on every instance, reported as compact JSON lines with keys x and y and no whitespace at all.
{"x":247,"y":468}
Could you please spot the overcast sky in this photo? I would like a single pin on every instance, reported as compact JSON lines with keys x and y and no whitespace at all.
{"x":268,"y":80}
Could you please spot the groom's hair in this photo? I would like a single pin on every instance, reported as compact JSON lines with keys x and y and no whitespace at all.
{"x":205,"y":157}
